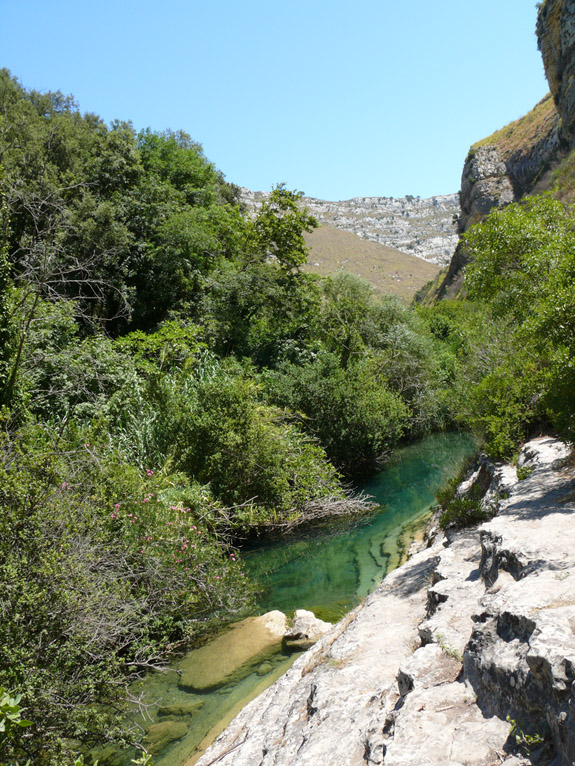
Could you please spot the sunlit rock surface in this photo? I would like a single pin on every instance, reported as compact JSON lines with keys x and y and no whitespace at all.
{"x":556,"y":39}
{"x":425,"y":673}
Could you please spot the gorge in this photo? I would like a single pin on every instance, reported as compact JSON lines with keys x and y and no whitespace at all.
{"x":190,"y":400}
{"x":464,"y":655}
{"x":473,"y":632}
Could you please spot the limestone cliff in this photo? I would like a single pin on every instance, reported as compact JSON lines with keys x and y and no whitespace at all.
{"x":556,"y":38}
{"x":503,"y":168}
{"x":420,"y":227}
{"x":464,"y":656}
{"x":532,"y":154}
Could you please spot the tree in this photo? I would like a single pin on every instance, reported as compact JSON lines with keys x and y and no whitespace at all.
{"x":523,"y":268}
{"x":278,"y":229}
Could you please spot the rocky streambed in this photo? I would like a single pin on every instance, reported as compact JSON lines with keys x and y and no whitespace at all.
{"x":465,"y":655}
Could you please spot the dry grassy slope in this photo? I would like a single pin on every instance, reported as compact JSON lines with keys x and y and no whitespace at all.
{"x":519,"y":137}
{"x":386,"y":269}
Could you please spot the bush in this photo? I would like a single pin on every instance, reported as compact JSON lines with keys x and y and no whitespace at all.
{"x":356,"y":418}
{"x":102,"y":570}
{"x":463,"y":511}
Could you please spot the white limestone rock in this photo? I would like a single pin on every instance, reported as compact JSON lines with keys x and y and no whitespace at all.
{"x":306,"y":629}
{"x":427,"y":670}
{"x":425,"y":228}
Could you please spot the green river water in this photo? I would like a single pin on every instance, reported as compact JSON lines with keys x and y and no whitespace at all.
{"x":328,"y":570}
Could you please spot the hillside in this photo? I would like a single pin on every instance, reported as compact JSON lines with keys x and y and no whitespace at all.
{"x":386,"y":269}
{"x":422,"y":227}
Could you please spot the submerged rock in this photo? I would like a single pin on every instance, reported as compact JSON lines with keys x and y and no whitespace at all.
{"x":234,"y":654}
{"x":265,"y":668}
{"x":160,"y":735}
{"x":181,"y":710}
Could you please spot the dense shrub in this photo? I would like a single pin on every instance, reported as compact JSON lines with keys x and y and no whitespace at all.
{"x":102,"y":569}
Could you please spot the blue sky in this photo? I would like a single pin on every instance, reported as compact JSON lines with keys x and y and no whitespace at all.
{"x":335,"y":98}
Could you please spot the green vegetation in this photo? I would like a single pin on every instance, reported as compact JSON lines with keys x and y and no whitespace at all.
{"x":172,"y":383}
{"x":524,"y":472}
{"x":527,"y":741}
{"x":523,"y":270}
{"x":461,"y":510}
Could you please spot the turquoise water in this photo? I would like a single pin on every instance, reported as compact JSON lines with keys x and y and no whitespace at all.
{"x":328,"y":570}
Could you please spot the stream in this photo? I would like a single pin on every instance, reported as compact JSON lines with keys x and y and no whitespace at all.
{"x":327,"y":570}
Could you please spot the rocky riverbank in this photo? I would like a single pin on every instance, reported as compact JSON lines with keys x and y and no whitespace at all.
{"x":476,"y":629}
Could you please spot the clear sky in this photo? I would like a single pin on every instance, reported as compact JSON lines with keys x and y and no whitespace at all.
{"x":337,"y":98}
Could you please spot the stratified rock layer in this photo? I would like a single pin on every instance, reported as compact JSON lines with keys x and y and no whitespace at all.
{"x":421,"y":227}
{"x":426,"y":671}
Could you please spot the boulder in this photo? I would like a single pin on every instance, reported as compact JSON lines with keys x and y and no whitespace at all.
{"x":160,"y":735}
{"x":234,"y":654}
{"x":306,"y":629}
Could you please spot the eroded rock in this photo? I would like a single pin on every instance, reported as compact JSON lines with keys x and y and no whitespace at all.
{"x":306,"y":629}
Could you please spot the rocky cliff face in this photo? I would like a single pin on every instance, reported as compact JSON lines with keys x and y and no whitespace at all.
{"x":507,"y":165}
{"x":514,"y":161}
{"x":421,"y":227}
{"x":464,"y":656}
{"x":556,"y":38}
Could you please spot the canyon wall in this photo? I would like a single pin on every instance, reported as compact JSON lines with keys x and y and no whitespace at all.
{"x":519,"y":159}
